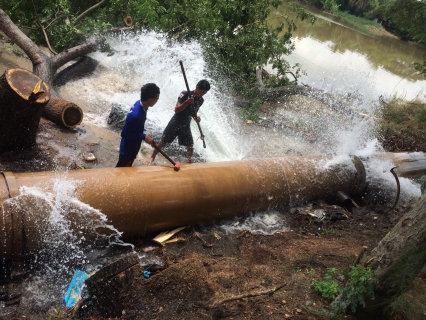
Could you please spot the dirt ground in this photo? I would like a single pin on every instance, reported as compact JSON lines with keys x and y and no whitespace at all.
{"x":208,"y":274}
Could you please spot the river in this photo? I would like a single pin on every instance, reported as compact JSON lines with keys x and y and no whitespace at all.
{"x":333,"y":51}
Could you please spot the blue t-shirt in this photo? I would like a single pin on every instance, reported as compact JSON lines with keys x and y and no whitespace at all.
{"x":132,"y":134}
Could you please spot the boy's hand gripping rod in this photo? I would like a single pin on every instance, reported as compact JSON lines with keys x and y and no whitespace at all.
{"x":176,"y":165}
{"x":194,"y":114}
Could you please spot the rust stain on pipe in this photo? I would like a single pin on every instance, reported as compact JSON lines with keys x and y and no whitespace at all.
{"x":141,"y":200}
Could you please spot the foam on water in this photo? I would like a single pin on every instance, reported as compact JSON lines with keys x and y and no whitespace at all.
{"x":265,"y":223}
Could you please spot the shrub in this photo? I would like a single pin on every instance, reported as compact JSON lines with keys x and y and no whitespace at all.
{"x":358,"y":285}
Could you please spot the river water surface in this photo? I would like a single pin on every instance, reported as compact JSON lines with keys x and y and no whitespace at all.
{"x":333,"y":51}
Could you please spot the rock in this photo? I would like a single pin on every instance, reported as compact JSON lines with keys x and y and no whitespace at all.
{"x":117,"y":116}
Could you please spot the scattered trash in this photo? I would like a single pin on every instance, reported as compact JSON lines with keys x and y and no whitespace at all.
{"x":216,"y":236}
{"x":336,"y":217}
{"x":154,"y":267}
{"x":73,"y":294}
{"x":250,"y":121}
{"x":242,"y":234}
{"x":89,"y":156}
{"x":147,"y":274}
{"x":178,"y":239}
{"x":162,"y":237}
{"x":205,"y":243}
{"x":149,"y":249}
{"x":319,"y":213}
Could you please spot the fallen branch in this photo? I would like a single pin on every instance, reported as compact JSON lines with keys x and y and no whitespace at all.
{"x":205,"y":243}
{"x":92,"y":8}
{"x":247,"y":295}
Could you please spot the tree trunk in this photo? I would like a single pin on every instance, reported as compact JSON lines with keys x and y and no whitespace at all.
{"x":46,"y":67}
{"x":400,"y":256}
{"x":83,"y":66}
{"x":24,"y":96}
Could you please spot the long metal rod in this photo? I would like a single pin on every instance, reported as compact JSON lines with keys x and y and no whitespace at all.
{"x":193,"y":111}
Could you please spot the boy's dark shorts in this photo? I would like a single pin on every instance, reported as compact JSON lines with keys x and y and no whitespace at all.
{"x":183,"y":133}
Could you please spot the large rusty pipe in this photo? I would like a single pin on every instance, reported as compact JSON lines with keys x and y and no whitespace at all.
{"x":409,"y":164}
{"x":141,"y":200}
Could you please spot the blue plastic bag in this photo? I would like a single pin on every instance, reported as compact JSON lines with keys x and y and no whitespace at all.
{"x":73,"y":293}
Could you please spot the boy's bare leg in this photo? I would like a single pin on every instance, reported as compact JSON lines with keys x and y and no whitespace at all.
{"x":189,"y":153}
{"x":154,"y":153}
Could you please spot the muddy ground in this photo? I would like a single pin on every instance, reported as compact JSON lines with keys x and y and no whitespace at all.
{"x":209,"y":274}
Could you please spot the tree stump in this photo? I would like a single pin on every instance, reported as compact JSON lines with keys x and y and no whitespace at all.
{"x":23,"y":96}
{"x":63,"y":112}
{"x":111,"y":282}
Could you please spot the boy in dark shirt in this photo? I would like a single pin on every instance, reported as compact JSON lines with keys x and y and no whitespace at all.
{"x":132,"y":132}
{"x":186,"y":107}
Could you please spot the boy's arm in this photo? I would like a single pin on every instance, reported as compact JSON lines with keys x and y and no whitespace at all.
{"x":182,"y":106}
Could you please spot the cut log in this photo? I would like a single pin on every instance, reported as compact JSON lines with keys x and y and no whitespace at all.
{"x":23,"y":96}
{"x":63,"y":112}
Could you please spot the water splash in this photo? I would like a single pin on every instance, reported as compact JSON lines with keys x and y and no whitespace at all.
{"x":264,"y":223}
{"x":150,"y":57}
{"x":64,"y":232}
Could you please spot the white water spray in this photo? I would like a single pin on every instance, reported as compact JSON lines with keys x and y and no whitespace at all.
{"x":343,"y":124}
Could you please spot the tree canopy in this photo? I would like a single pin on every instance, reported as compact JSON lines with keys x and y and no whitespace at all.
{"x":235,"y":35}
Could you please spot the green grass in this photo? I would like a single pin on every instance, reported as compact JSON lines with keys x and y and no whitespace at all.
{"x":402,"y":126}
{"x":359,"y":23}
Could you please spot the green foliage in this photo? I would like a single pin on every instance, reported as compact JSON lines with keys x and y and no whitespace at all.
{"x":328,"y":288}
{"x":421,"y":68}
{"x":251,"y":111}
{"x":402,"y":125}
{"x":358,"y":21}
{"x":236,"y":35}
{"x":144,"y":152}
{"x":358,"y":7}
{"x":297,"y":270}
{"x":56,"y":18}
{"x":330,"y":5}
{"x":405,"y":18}
{"x":327,"y":232}
{"x":359,"y":284}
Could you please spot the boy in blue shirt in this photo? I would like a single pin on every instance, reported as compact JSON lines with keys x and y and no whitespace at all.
{"x":132,"y":134}
{"x":187,"y":105}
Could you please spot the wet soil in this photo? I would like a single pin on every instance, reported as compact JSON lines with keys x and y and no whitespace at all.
{"x":209,"y":274}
